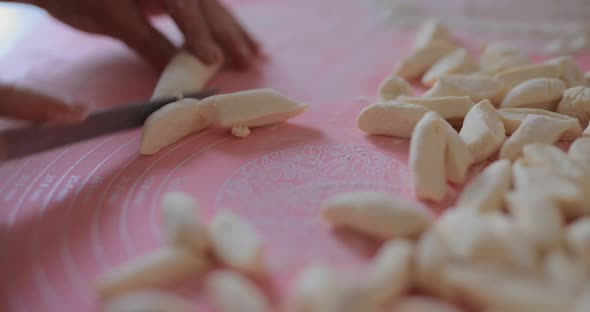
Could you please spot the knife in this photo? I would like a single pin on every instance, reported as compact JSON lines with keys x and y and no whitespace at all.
{"x":24,"y":141}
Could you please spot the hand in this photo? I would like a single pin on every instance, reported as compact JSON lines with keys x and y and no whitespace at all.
{"x":210,"y":31}
{"x":18,"y":103}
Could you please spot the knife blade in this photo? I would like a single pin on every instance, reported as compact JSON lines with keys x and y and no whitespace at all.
{"x":24,"y":141}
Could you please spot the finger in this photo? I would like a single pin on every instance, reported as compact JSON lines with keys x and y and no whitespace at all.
{"x":29,"y":105}
{"x":187,"y":15}
{"x":252,"y":43}
{"x":229,"y":34}
{"x":127,"y":23}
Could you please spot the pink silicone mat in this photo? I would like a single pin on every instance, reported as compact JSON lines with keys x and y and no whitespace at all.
{"x":69,"y":214}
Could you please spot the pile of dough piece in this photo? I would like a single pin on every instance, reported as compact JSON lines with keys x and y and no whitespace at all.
{"x":238,"y":111}
{"x":190,"y":251}
{"x":516,"y":240}
{"x":502,"y":93}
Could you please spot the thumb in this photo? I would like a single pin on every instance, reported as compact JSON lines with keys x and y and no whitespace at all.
{"x":26,"y":104}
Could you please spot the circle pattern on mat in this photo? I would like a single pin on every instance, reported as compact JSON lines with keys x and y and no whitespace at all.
{"x":286,"y":188}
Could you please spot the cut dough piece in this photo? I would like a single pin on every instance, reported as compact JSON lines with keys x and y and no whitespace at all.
{"x":580,"y":151}
{"x":582,"y":302}
{"x":390,"y":274}
{"x":456,"y":62}
{"x":376,"y":214}
{"x":497,"y":290}
{"x":181,"y":223}
{"x":423,"y":304}
{"x":565,"y":272}
{"x":185,"y":73}
{"x":236,"y":243}
{"x":513,"y":117}
{"x":535,"y":93}
{"x":421,"y":59}
{"x":431,"y":30}
{"x":392,"y":87}
{"x":485,"y":193}
{"x":556,"y":160}
{"x":147,"y":301}
{"x":315,"y":290}
{"x":483,"y":131}
{"x":538,"y":218}
{"x":490,"y":239}
{"x":458,"y":158}
{"x":451,"y":108}
{"x":431,"y":256}
{"x":569,"y":195}
{"x":534,"y":129}
{"x":390,"y":118}
{"x":512,"y":77}
{"x":478,"y":88}
{"x":578,"y":238}
{"x":569,"y":71}
{"x":170,"y":124}
{"x":497,"y":57}
{"x":251,"y":108}
{"x":232,"y":292}
{"x":427,"y":158}
{"x":587,"y":131}
{"x":576,"y":103}
{"x":159,"y":268}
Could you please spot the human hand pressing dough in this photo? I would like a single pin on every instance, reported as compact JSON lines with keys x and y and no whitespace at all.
{"x":210,"y":31}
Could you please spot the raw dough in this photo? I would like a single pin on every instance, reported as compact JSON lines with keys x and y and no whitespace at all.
{"x":252,"y":108}
{"x":513,"y":117}
{"x":427,"y":158}
{"x":392,"y":87}
{"x":576,"y":103}
{"x":483,"y":131}
{"x":170,"y":124}
{"x":421,"y":59}
{"x":569,"y":72}
{"x":390,"y":274}
{"x":478,"y":88}
{"x":429,"y":31}
{"x":181,"y":223}
{"x":512,"y":77}
{"x":451,"y":108}
{"x":535,"y":93}
{"x":390,"y":118}
{"x":456,"y":62}
{"x":458,"y":157}
{"x":147,"y":301}
{"x":485,"y":193}
{"x":185,"y":73}
{"x":533,"y":129}
{"x":232,"y":292}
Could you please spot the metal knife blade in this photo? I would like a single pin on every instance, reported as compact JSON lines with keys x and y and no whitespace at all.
{"x":24,"y":141}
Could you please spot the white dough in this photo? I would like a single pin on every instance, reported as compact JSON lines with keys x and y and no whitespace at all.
{"x":392,"y":87}
{"x":569,"y":72}
{"x":513,"y":117}
{"x":478,"y":88}
{"x":181,"y":223}
{"x":458,"y":157}
{"x":485,"y":193}
{"x":376,"y":214}
{"x":252,"y":108}
{"x":170,"y":124}
{"x":534,"y":129}
{"x":147,"y":301}
{"x":427,"y":158}
{"x":185,"y":73}
{"x":390,"y":118}
{"x":429,"y":31}
{"x":576,"y":103}
{"x":421,"y":59}
{"x":542,"y":93}
{"x":451,"y":108}
{"x":232,"y":292}
{"x":483,"y":131}
{"x":158,"y":268}
{"x":236,"y":243}
{"x":456,"y":62}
